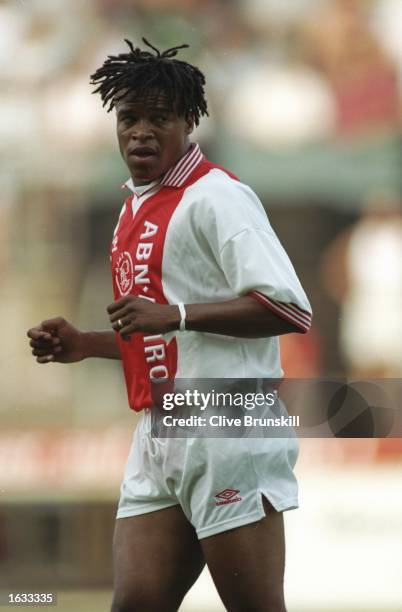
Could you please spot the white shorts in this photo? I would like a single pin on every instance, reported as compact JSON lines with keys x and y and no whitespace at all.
{"x":218,"y":482}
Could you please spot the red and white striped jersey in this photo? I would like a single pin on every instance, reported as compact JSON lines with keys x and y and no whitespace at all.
{"x":199,"y":235}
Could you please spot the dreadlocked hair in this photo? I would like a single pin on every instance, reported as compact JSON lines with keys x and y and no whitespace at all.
{"x":144,"y":72}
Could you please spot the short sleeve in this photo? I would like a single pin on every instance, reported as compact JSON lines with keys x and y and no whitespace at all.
{"x":248,"y":251}
{"x":255,"y":263}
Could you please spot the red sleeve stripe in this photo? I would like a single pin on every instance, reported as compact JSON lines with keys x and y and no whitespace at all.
{"x":290,"y":312}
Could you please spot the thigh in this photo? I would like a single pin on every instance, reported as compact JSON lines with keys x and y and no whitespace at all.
{"x":157,"y":558}
{"x":247,"y":564}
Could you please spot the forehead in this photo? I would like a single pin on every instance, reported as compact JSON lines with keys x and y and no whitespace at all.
{"x":145,"y":103}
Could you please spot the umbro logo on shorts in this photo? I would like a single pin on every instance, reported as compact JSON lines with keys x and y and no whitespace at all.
{"x":227,"y":496}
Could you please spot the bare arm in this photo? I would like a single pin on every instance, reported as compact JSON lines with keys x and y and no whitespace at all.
{"x":57,"y":340}
{"x":242,"y":317}
{"x":102,"y":344}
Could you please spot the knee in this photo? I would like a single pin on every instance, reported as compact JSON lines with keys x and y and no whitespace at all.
{"x":277,"y":607}
{"x":134,"y":604}
{"x":130,"y":604}
{"x":143,"y":601}
{"x":124,"y":604}
{"x":265,"y":604}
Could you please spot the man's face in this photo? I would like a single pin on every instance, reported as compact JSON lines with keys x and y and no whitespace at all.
{"x":152,"y":137}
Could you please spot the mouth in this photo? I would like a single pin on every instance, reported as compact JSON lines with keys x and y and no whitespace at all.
{"x":142,"y":153}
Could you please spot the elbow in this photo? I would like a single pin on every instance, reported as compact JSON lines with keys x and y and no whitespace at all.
{"x":298,"y":320}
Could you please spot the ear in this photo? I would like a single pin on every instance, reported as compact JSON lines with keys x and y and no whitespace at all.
{"x":189,"y":124}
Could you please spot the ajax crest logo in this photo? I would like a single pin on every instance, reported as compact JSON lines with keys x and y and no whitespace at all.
{"x":124,"y":273}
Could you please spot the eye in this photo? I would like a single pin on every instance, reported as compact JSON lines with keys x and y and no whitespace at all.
{"x":160,"y":118}
{"x":127,"y":119}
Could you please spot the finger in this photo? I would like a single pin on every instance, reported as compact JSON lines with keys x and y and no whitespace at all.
{"x":44,"y":342}
{"x":124,"y":326}
{"x":120,"y":323}
{"x":119,"y":314}
{"x":42,"y":352}
{"x":37,"y":352}
{"x":45,"y":359}
{"x":129,"y":328}
{"x":36,"y":333}
{"x":116,"y":305}
{"x":53,"y":324}
{"x":40,"y":343}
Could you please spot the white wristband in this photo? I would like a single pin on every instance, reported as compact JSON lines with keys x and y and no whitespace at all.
{"x":182,"y":326}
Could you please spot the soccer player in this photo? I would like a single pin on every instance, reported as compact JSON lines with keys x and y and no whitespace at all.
{"x":203,"y":289}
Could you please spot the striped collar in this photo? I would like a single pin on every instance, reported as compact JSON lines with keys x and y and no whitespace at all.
{"x":179,"y":173}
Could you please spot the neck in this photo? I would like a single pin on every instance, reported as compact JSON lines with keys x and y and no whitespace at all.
{"x":142,"y":182}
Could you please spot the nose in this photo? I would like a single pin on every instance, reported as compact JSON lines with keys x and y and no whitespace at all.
{"x":141,"y":130}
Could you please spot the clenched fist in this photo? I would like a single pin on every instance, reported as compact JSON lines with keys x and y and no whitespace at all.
{"x":56,"y":340}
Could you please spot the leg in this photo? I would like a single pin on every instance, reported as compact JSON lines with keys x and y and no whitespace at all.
{"x":157,"y":558}
{"x":247,"y":564}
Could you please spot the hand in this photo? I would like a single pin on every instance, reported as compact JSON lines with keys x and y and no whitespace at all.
{"x":140,"y":315}
{"x":56,"y":340}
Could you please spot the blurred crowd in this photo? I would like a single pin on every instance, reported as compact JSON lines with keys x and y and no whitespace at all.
{"x":301,"y":88}
{"x":278,"y":73}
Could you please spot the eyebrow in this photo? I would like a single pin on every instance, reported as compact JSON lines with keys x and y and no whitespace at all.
{"x":155,"y":109}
